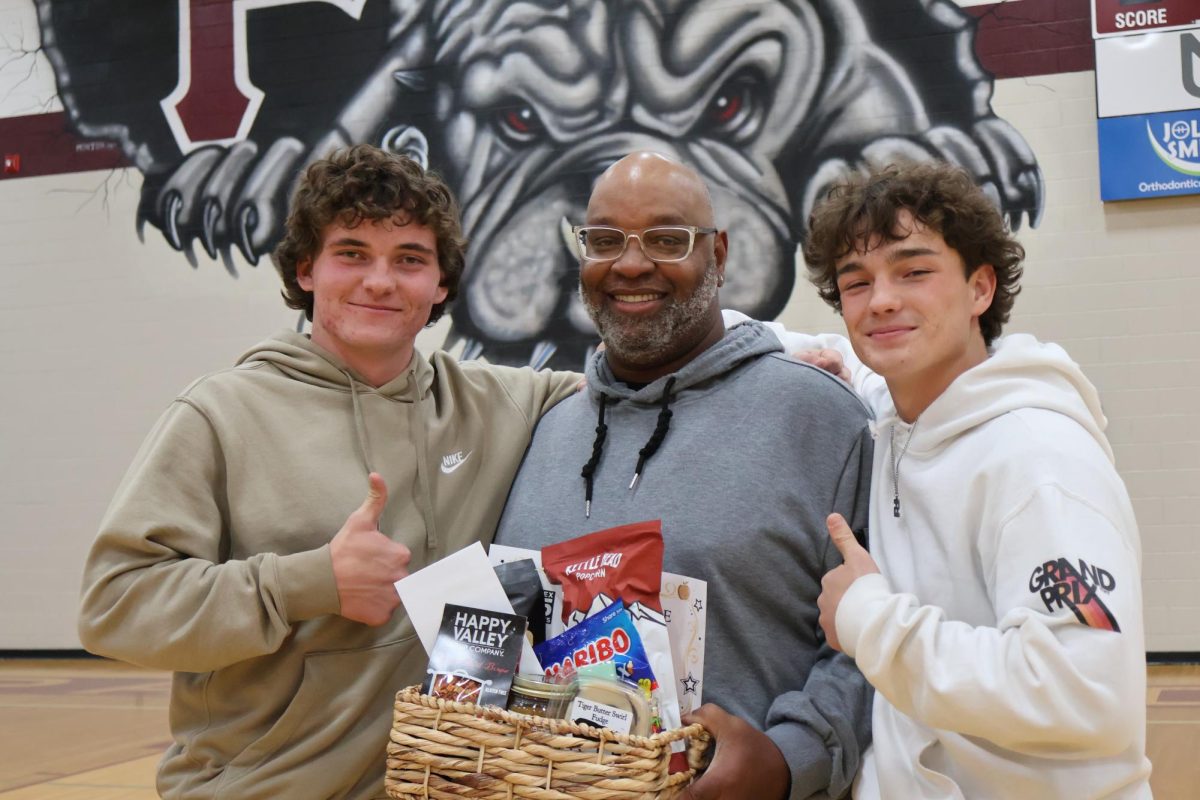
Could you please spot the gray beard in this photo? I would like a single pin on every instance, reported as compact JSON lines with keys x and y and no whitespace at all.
{"x":655,"y":340}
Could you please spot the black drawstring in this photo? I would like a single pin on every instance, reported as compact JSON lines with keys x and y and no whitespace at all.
{"x":644,"y":455}
{"x":660,"y":432}
{"x":589,"y":469}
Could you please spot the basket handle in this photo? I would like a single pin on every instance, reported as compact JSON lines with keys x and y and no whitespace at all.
{"x":699,"y":746}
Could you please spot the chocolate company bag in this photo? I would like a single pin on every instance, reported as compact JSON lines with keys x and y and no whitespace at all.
{"x":474,"y":656}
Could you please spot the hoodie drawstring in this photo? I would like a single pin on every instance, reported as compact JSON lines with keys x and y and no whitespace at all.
{"x":660,"y":433}
{"x":589,"y":469}
{"x":645,"y":454}
{"x":417,"y":425}
{"x":360,"y":425}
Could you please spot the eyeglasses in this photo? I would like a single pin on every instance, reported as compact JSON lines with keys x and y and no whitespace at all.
{"x":660,"y":243}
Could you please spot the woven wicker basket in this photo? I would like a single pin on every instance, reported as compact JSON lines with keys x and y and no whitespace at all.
{"x":442,"y":749}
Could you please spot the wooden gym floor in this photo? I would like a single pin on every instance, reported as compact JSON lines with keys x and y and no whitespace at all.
{"x":93,"y":730}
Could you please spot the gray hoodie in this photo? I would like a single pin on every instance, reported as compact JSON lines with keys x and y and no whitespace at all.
{"x":755,"y":452}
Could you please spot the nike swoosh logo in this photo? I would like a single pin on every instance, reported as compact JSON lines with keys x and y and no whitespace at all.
{"x":454,"y":461}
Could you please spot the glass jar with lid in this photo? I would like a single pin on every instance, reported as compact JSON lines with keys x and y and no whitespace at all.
{"x":530,"y":695}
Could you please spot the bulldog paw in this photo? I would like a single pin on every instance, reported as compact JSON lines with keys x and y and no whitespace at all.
{"x":992,"y":152}
{"x":225,"y":198}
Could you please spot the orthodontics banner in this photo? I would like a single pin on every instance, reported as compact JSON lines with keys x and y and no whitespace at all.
{"x":1150,"y":155}
{"x":1148,"y":104}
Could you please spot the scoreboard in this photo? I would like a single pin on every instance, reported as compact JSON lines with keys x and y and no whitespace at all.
{"x":1119,"y":17}
{"x":1147,"y":97}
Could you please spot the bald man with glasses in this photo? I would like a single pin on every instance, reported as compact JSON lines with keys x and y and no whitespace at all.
{"x":739,"y":450}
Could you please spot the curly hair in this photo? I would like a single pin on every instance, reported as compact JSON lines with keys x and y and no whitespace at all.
{"x":365,"y":183}
{"x":941,"y":196}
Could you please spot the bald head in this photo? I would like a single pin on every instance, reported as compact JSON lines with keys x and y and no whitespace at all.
{"x":641,"y":171}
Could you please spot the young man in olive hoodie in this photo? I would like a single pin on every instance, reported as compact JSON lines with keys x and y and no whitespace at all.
{"x":239,"y":552}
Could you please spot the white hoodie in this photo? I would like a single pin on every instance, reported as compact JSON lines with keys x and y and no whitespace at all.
{"x":1005,"y":641}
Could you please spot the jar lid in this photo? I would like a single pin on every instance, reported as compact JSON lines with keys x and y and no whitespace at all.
{"x":534,"y":687}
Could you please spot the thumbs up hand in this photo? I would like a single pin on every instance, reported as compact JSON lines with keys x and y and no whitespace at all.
{"x":366,"y":564}
{"x":856,"y":562}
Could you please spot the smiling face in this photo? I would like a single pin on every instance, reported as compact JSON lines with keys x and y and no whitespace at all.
{"x":654,"y":317}
{"x":373,"y":288}
{"x":912,"y":312}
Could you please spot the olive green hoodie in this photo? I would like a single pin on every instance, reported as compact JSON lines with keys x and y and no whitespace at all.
{"x":213,"y":559}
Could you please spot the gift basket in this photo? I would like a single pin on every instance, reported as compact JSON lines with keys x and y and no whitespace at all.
{"x":554,"y":676}
{"x":445,"y":749}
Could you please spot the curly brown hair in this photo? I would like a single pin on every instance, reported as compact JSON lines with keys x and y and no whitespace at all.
{"x":941,"y":196}
{"x":365,"y":183}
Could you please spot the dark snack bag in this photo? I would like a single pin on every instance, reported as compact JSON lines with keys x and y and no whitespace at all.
{"x":523,"y":586}
{"x":623,"y":562}
{"x":474,"y":656}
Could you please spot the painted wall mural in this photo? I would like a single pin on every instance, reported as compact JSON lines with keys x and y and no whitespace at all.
{"x":520,"y":104}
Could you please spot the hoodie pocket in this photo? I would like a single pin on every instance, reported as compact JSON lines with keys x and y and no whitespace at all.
{"x":335,"y":728}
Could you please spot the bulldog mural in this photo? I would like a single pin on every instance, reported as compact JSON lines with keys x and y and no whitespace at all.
{"x":521,"y":104}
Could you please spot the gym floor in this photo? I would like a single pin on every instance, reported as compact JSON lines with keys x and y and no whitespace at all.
{"x":94,"y":730}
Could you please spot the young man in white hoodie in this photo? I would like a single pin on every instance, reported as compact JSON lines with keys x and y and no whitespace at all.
{"x":999,"y":611}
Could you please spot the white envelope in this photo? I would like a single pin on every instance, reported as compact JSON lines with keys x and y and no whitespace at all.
{"x":465,"y":578}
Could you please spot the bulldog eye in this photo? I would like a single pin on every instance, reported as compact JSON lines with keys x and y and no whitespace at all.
{"x":736,"y":110}
{"x":519,"y":123}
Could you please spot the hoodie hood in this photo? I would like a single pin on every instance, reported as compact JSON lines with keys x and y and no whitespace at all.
{"x":297,"y":356}
{"x":1021,"y":372}
{"x":740,"y":343}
